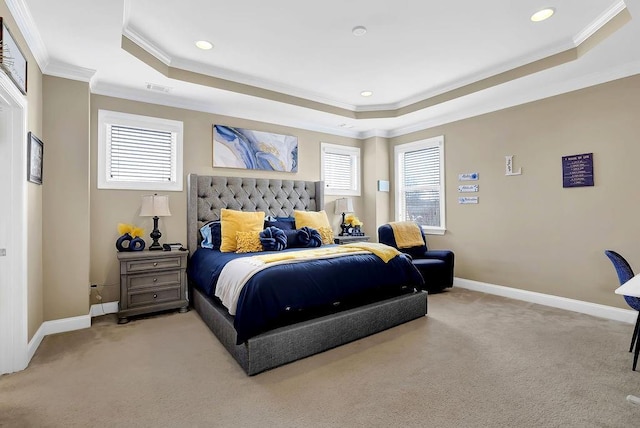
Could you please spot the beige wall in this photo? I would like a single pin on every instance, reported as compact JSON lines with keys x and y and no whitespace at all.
{"x":528,"y":232}
{"x":34,"y":191}
{"x":66,"y":198}
{"x":375,"y":166}
{"x":110,"y":207}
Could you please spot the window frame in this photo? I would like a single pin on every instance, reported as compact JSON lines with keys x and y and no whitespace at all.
{"x":399,"y":190}
{"x":108,"y":118}
{"x":356,"y":176}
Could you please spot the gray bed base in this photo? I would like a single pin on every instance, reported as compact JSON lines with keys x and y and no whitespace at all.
{"x":289,"y":343}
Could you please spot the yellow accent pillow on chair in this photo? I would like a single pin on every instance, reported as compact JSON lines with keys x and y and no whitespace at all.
{"x":232,"y":222}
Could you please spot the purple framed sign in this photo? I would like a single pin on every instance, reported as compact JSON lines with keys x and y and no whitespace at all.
{"x":577,"y":170}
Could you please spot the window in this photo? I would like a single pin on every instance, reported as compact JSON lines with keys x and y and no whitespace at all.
{"x":340,"y":169}
{"x":420,"y":183}
{"x":139,"y":152}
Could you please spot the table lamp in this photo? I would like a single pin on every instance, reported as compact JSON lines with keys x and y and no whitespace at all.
{"x":343,"y":205}
{"x":155,"y":206}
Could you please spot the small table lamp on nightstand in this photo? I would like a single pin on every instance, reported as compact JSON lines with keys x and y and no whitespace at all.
{"x":343,"y":205}
{"x":155,"y":206}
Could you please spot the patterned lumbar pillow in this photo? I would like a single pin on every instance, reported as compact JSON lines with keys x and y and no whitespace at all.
{"x":248,"y":242}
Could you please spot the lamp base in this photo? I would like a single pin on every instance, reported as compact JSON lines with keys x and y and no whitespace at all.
{"x":155,"y":235}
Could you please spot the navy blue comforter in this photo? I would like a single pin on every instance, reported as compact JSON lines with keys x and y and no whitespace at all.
{"x":290,"y":292}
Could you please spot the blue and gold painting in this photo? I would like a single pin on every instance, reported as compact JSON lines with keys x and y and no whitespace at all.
{"x":243,"y":148}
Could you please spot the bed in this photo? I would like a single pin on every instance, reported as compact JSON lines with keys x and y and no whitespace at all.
{"x":294,"y":334}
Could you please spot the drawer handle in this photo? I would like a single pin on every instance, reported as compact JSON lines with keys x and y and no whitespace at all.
{"x":155,"y":279}
{"x":155,"y":263}
{"x":155,"y":295}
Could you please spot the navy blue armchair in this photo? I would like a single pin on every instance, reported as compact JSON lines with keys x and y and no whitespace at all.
{"x":436,"y":266}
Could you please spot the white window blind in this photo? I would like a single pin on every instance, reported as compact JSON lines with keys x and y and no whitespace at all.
{"x":340,"y":169}
{"x":139,"y":152}
{"x":420,"y":183}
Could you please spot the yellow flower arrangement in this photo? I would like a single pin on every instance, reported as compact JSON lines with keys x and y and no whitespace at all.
{"x":132,"y":230}
{"x":352,"y":220}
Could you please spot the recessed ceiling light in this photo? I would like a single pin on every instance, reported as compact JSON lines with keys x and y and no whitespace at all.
{"x":366,"y":93}
{"x":204,"y":45}
{"x":359,"y":31}
{"x":543,"y":14}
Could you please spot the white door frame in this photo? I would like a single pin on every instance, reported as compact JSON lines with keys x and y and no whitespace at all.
{"x":13,"y":293}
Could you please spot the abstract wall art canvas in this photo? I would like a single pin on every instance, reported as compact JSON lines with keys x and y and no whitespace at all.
{"x":243,"y":148}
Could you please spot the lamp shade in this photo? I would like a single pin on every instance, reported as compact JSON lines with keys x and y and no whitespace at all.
{"x":155,"y":206}
{"x":344,"y":205}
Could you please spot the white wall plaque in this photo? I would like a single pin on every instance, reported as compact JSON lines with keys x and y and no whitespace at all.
{"x":508,"y":165}
{"x":468,"y":200}
{"x":468,"y":188}
{"x":469,"y":176}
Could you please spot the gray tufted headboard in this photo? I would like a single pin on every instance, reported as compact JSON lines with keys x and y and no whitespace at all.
{"x":208,"y":194}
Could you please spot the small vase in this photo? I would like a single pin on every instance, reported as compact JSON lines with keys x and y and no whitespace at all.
{"x":124,"y":242}
{"x":137,"y":244}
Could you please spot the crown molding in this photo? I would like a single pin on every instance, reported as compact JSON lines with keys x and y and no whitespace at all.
{"x":534,"y":93}
{"x":168,"y":100}
{"x":246,"y":79}
{"x":222,"y":73}
{"x":146,"y":44}
{"x":68,"y":71}
{"x":600,"y":22}
{"x":27,"y":27}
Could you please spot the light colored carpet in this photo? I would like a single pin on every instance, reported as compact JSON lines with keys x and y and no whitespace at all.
{"x":475,"y":361}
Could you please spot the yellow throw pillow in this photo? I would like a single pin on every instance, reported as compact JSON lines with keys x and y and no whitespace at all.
{"x":232,"y":222}
{"x":326,"y":233}
{"x":248,"y":242}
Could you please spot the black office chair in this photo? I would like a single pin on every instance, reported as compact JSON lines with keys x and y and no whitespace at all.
{"x":436,"y":266}
{"x":625,"y":273}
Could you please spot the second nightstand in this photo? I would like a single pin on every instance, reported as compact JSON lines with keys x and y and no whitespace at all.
{"x":152,"y":281}
{"x":347,"y":239}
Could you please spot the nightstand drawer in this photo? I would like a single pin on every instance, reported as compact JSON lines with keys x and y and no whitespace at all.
{"x":141,"y":298}
{"x":156,"y":279}
{"x":133,"y":266}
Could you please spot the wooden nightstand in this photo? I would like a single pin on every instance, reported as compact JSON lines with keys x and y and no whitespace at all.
{"x":152,"y":281}
{"x":347,"y":239}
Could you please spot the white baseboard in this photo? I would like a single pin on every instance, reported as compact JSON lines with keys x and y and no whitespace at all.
{"x":56,"y":326}
{"x":594,"y":309}
{"x":68,"y":324}
{"x":34,"y":343}
{"x":103,"y":309}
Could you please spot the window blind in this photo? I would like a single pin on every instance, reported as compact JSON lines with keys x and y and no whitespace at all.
{"x":420,"y":175}
{"x":338,"y":171}
{"x":138,"y":154}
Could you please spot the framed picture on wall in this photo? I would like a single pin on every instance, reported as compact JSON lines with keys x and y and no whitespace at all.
{"x":35,"y":151}
{"x":12,"y":60}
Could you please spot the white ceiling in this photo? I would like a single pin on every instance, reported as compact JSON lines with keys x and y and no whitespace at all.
{"x":413,"y":50}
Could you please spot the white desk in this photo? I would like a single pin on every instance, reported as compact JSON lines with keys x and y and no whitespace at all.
{"x":630,"y":288}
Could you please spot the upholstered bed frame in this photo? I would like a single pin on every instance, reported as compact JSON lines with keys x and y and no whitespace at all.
{"x":206,"y":196}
